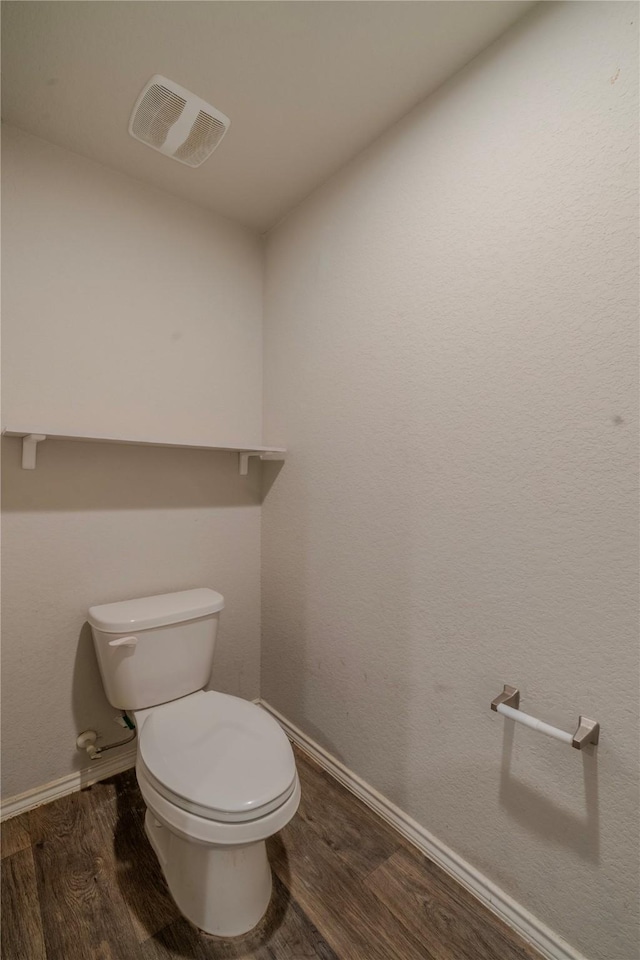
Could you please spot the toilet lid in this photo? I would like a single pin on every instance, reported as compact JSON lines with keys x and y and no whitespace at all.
{"x":218,"y":756}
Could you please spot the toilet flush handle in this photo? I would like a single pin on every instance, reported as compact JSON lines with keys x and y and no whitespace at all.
{"x":123,"y":642}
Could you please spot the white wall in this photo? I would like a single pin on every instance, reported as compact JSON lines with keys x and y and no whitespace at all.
{"x":125,"y":312}
{"x":451,"y":357}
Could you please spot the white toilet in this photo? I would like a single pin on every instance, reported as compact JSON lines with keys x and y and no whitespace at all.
{"x":217,"y":773}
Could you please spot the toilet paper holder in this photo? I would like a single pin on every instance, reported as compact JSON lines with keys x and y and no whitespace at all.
{"x":508,"y":704}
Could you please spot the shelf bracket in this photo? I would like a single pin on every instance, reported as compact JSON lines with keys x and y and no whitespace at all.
{"x":29,"y":447}
{"x":243,"y":459}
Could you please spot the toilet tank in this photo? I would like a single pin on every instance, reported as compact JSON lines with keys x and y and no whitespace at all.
{"x":155,"y":649}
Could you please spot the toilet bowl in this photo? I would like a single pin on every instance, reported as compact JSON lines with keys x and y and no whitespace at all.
{"x":217,"y":773}
{"x":218,"y":778}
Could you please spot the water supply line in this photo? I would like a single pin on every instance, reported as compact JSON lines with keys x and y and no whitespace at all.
{"x":87,"y":740}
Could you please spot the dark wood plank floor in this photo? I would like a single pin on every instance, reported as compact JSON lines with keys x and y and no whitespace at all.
{"x":80,"y":881}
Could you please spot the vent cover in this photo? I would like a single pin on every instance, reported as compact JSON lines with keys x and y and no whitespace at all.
{"x":176,"y":122}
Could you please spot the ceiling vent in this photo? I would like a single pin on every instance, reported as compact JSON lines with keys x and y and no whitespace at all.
{"x":176,"y":122}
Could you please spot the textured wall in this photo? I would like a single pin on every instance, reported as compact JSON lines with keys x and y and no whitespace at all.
{"x":125,"y":310}
{"x":451,"y":357}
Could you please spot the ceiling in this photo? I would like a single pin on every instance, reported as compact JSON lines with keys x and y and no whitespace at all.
{"x":306,"y":84}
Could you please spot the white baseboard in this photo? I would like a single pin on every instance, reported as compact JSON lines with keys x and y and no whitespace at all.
{"x":548,"y":943}
{"x":99,"y":770}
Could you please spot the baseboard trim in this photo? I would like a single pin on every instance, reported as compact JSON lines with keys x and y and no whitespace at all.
{"x":73,"y":782}
{"x":545,"y":940}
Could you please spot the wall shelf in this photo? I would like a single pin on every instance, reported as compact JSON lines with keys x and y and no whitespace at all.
{"x":31,"y":439}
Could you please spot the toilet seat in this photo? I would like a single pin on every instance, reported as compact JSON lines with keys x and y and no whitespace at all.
{"x":216,"y":756}
{"x":197,"y":829}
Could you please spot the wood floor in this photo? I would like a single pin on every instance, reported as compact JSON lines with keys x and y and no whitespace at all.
{"x":80,"y":881}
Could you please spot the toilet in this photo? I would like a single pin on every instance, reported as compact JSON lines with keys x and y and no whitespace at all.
{"x":216,"y":772}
